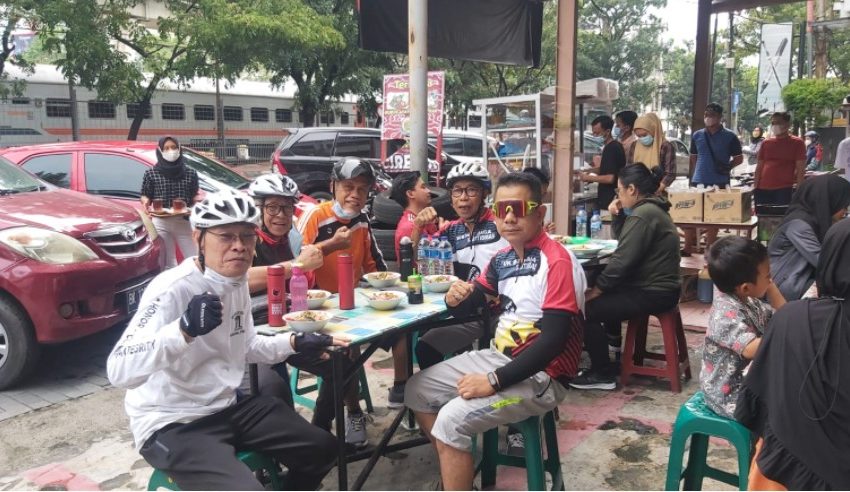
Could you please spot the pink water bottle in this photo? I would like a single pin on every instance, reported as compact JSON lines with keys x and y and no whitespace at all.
{"x":345,"y":270}
{"x":276,"y":288}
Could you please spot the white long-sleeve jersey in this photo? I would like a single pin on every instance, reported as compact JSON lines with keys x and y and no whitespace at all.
{"x":170,"y":380}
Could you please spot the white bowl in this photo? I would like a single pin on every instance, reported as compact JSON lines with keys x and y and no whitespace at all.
{"x":393,"y":300}
{"x":585,"y":250}
{"x":320,"y":319}
{"x":318,"y":301}
{"x":380,"y":280}
{"x":439,"y":283}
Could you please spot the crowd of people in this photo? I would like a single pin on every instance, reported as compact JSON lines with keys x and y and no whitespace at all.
{"x":183,"y":356}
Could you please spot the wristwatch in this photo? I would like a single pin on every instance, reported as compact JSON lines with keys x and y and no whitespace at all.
{"x":494,"y":381}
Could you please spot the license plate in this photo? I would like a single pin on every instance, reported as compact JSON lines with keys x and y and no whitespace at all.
{"x":133,"y":296}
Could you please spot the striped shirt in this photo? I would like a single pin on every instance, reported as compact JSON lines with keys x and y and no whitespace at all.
{"x":320,"y":224}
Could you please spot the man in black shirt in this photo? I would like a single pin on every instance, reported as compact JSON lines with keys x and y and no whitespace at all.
{"x":612,"y":161}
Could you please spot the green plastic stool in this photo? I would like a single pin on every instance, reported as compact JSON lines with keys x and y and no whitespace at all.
{"x":697,"y":421}
{"x":533,"y":462}
{"x":298,"y":393}
{"x":254,"y":461}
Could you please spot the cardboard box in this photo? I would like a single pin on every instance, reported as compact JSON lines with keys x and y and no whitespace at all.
{"x":734,"y":206}
{"x":686,"y":206}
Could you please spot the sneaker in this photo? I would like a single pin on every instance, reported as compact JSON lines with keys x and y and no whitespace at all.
{"x":516,"y":444}
{"x":395,"y":396}
{"x":355,"y":430}
{"x":593,"y":380}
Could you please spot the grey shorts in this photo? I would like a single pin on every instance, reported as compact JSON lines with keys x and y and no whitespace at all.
{"x":449,"y":339}
{"x":434,"y":390}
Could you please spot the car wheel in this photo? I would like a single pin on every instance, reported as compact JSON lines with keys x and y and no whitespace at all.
{"x":322,"y":196}
{"x":386,"y":243}
{"x":19,"y":350}
{"x":387,"y":212}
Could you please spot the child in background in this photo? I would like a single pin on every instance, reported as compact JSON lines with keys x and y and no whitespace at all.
{"x":740,"y":268}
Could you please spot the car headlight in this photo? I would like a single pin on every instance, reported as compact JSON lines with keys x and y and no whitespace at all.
{"x":46,"y":246}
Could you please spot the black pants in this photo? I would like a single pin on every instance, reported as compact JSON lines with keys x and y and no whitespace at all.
{"x":611,"y":309}
{"x":773,"y":197}
{"x":324,"y":413}
{"x":201,"y":455}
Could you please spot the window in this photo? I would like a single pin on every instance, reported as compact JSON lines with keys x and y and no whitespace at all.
{"x":172,"y":111}
{"x":318,"y":144}
{"x":58,"y":108}
{"x":357,"y":146}
{"x":20,"y":100}
{"x":114,"y":175}
{"x":204,"y":112}
{"x":259,"y":115}
{"x":101,"y":109}
{"x":53,"y":168}
{"x":326,"y":118}
{"x":343,"y":118}
{"x":233,"y":113}
{"x":133,"y":110}
{"x":452,"y":145}
{"x":283,"y":115}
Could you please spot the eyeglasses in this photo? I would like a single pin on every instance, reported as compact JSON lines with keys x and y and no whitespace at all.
{"x":471,"y":191}
{"x":519,"y":208}
{"x":276,"y":209}
{"x":231,"y":238}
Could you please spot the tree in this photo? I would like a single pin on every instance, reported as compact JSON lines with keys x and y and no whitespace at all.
{"x":813,"y":101}
{"x":11,"y":15}
{"x":331,"y":71}
{"x":621,"y":40}
{"x":679,"y":79}
{"x":177,"y":47}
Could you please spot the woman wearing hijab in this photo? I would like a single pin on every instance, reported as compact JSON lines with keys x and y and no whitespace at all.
{"x":796,"y":396}
{"x":756,"y":139}
{"x":652,"y":149}
{"x":795,"y":247}
{"x":169,"y":180}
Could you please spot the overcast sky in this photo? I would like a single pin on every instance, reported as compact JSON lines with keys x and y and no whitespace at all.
{"x":681,"y":19}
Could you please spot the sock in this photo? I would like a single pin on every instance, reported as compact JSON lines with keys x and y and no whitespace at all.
{"x":399,"y":384}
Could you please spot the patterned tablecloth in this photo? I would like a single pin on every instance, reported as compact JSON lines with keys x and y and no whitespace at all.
{"x":364,"y":324}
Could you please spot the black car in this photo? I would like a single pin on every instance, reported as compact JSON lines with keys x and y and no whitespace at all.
{"x":307,"y":155}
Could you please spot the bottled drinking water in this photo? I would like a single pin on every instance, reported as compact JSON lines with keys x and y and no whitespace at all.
{"x":434,"y":256}
{"x":446,"y":257}
{"x":581,"y":223}
{"x":595,"y":225}
{"x":422,"y":257}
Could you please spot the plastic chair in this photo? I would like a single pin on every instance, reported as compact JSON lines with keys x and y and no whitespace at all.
{"x":675,"y":353}
{"x":534,"y":463}
{"x":697,"y":421}
{"x":298,"y":393}
{"x":255,"y":461}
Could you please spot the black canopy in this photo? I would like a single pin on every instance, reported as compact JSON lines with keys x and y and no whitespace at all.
{"x":496,"y":31}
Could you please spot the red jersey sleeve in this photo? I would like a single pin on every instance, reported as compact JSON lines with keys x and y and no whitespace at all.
{"x":560,"y":289}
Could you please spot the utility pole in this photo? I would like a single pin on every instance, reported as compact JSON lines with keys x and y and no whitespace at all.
{"x":72,"y":101}
{"x":820,"y":41}
{"x":417,"y":55}
{"x":730,"y":71}
{"x":219,"y":116}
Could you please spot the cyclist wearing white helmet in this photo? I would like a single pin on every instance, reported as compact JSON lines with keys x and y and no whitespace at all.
{"x":279,"y":243}
{"x":183,"y":355}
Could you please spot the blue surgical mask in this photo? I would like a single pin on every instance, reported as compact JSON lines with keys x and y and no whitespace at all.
{"x":647,"y":140}
{"x":628,"y":211}
{"x":342,"y":213}
{"x":616,"y":132}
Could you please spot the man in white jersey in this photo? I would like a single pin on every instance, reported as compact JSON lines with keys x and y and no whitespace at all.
{"x":183,"y":356}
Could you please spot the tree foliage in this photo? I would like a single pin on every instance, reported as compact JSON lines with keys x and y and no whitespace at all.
{"x":12,"y":14}
{"x":813,"y":101}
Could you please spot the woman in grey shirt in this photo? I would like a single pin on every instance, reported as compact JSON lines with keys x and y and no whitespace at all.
{"x":795,"y":246}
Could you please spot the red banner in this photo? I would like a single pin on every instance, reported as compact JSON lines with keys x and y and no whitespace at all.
{"x":396,"y":119}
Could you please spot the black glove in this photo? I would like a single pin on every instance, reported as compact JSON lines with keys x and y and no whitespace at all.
{"x":202,"y":316}
{"x":311,"y":342}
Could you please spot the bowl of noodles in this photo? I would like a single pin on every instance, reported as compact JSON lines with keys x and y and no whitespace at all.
{"x":438,"y":283}
{"x":385,"y":300}
{"x":316,"y":298}
{"x":380,"y":280}
{"x":306,"y":321}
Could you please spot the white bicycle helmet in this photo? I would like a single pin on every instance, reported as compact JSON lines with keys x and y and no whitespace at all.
{"x":468,"y":170}
{"x":269,"y":185}
{"x":222,"y":208}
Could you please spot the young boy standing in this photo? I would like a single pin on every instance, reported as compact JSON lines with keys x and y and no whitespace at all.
{"x":740,"y":268}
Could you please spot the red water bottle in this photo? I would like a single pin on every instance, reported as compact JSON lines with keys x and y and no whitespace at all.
{"x":345,"y":269}
{"x":276,"y":288}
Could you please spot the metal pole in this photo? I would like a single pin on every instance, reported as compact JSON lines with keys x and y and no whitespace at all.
{"x":219,"y":117}
{"x":72,"y":101}
{"x":810,"y":19}
{"x":730,"y":70}
{"x":417,"y":51}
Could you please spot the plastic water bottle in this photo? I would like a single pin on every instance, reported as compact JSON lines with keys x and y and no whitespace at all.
{"x":595,"y":225}
{"x":446,"y":257}
{"x":581,"y":223}
{"x":434,"y":256}
{"x":422,"y":255}
{"x":298,"y":289}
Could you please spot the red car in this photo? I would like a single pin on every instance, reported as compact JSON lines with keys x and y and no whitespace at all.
{"x":70,"y":265}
